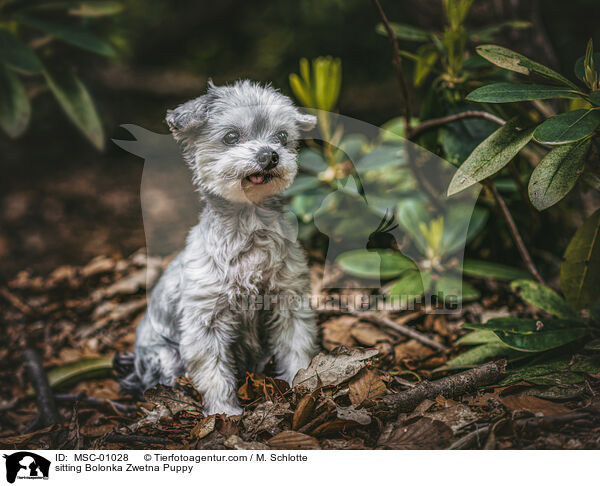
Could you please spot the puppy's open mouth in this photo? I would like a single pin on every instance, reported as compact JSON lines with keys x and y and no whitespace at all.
{"x":260,"y":178}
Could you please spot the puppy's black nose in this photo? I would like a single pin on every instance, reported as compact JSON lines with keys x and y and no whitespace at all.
{"x":267,"y":158}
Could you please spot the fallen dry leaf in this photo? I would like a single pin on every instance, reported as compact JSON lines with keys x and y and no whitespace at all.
{"x":266,"y":417}
{"x":368,"y":334}
{"x":338,"y":332}
{"x":353,"y":414}
{"x":367,"y":385}
{"x":204,"y":427}
{"x":411,"y":349}
{"x":290,"y":439}
{"x":424,"y":433}
{"x":534,"y":405}
{"x":304,"y":409}
{"x":333,"y":369}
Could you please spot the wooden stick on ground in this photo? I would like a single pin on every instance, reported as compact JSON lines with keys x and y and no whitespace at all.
{"x":450,"y":386}
{"x":48,"y":413}
{"x":401,"y":328}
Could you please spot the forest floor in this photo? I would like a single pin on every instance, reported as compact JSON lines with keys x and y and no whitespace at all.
{"x":90,"y":312}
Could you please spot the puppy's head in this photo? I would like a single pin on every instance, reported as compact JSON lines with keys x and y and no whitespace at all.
{"x":240,"y":140}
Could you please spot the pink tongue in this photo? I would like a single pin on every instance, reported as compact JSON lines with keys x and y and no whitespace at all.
{"x":257,"y":179}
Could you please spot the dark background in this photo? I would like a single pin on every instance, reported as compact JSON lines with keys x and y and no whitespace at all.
{"x":62,"y":202}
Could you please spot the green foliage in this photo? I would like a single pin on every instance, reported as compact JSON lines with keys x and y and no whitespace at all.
{"x":318,"y":87}
{"x":444,"y":52}
{"x":15,"y":109}
{"x":498,"y":271}
{"x":511,"y":92}
{"x":375,"y":264}
{"x":75,"y":100}
{"x":513,"y":61}
{"x":556,"y":174}
{"x":543,"y":298}
{"x":30,"y":37}
{"x":568,"y":127}
{"x":579,"y":274}
{"x":490,"y":156}
{"x":532,"y":335}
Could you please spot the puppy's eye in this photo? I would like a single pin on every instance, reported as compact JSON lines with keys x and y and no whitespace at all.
{"x":231,"y":138}
{"x":282,"y":137}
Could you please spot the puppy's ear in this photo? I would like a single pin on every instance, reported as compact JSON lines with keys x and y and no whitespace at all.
{"x":193,"y":113}
{"x":306,"y":122}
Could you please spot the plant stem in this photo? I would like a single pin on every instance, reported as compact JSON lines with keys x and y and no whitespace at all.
{"x":397,"y":60}
{"x":514,"y":232}
{"x":436,"y":122}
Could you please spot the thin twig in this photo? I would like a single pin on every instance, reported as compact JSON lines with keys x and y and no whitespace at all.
{"x":514,"y":232}
{"x":450,"y":387}
{"x":48,"y":413}
{"x":436,"y":122}
{"x":397,"y":60}
{"x":83,"y":398}
{"x":401,"y":328}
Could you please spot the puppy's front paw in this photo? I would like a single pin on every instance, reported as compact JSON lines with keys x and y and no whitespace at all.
{"x":223,"y":408}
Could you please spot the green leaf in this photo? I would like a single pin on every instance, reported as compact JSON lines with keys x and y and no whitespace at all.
{"x":490,"y":156}
{"x":478,"y":355}
{"x":18,"y":55}
{"x":543,"y":298}
{"x":462,"y":222}
{"x":488,"y":33}
{"x":459,"y":138}
{"x":76,"y":36}
{"x":374,"y":264}
{"x":533,"y":335}
{"x":76,"y":102}
{"x":404,"y":32}
{"x":449,"y":286}
{"x":595,"y":97}
{"x":556,"y":174}
{"x":15,"y":110}
{"x":478,"y":337}
{"x":96,"y":9}
{"x":568,"y":127}
{"x":580,"y":270}
{"x":427,"y":57}
{"x":411,"y":213}
{"x":513,"y":61}
{"x":76,"y":371}
{"x":380,"y":158}
{"x":312,"y":160}
{"x":478,"y":268}
{"x":411,"y":285}
{"x":580,"y":66}
{"x":558,"y":379}
{"x":509,"y":92}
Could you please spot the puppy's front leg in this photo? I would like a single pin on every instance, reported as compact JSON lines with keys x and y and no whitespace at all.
{"x":293,"y":339}
{"x":206,"y":350}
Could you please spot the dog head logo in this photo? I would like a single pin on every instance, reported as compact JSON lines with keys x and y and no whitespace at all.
{"x":26,"y":465}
